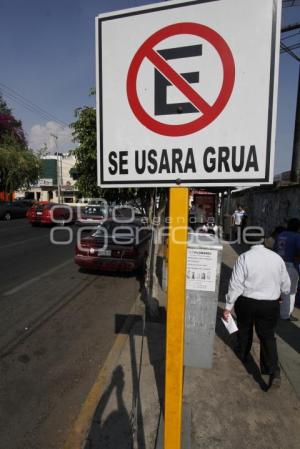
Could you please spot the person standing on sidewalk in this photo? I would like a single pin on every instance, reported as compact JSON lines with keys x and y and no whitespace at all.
{"x":258,"y":278}
{"x":238,"y":221}
{"x":192,"y":215}
{"x":287,"y":245}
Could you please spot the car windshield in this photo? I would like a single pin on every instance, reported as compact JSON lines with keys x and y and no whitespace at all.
{"x":125,"y":213}
{"x":109,"y":227}
{"x":40,"y":207}
{"x":94,"y":210}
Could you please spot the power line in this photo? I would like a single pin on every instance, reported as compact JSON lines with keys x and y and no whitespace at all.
{"x":290,"y":36}
{"x":28,"y":108}
{"x":291,"y":27}
{"x":293,"y":46}
{"x":290,"y":3}
{"x":286,"y":49}
{"x":29,"y":105}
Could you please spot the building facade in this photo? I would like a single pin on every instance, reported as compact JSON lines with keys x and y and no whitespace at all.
{"x":55,"y":183}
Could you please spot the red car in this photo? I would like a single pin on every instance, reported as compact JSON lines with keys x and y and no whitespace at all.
{"x":114,"y":247}
{"x":45,"y":213}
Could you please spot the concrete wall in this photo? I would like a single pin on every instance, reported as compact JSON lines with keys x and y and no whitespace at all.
{"x":67,"y":162}
{"x":269,"y":206}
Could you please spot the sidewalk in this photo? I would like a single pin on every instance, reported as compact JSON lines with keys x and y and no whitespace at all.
{"x":225,"y":407}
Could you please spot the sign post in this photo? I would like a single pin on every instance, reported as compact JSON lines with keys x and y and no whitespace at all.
{"x":186,"y":90}
{"x":175,"y":316}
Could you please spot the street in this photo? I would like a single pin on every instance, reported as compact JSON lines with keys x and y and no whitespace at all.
{"x":56,"y":330}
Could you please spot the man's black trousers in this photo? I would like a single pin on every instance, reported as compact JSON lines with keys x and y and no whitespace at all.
{"x":263,"y":314}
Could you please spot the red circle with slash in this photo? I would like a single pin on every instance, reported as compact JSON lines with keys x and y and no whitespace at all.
{"x":209,"y":112}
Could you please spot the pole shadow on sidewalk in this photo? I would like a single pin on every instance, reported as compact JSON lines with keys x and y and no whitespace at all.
{"x":115,"y":430}
{"x":124,"y":427}
{"x":290,"y":333}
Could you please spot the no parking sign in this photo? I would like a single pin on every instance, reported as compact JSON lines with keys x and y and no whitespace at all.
{"x":187,"y":90}
{"x":209,"y":113}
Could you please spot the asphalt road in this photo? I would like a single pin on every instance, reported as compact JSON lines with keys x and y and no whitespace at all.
{"x":56,"y":330}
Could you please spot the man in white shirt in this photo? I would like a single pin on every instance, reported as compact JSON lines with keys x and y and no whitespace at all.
{"x":238,"y":215}
{"x":258,"y":279}
{"x":238,"y":221}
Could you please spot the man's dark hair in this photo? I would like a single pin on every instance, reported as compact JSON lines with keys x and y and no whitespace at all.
{"x":293,"y":224}
{"x":254,"y":235}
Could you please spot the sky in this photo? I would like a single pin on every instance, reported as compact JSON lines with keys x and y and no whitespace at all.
{"x":47,"y":53}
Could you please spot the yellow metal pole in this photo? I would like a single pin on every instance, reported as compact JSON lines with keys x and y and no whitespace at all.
{"x":175,"y":316}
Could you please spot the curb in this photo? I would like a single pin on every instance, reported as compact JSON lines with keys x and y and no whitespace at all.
{"x":77,"y":435}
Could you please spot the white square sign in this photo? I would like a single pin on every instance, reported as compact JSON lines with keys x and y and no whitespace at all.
{"x":187,"y":93}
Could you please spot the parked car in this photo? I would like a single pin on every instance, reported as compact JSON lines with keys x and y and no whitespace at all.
{"x":126,"y":214}
{"x":27,"y":202}
{"x":114,"y":247}
{"x":45,"y":213}
{"x":13,"y":209}
{"x":91,"y":215}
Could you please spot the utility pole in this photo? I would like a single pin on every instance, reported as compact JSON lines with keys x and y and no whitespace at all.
{"x":295,"y":169}
{"x":58,"y":172}
{"x":61,"y":176}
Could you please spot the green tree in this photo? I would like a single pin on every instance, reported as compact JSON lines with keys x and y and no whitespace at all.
{"x":85,"y":170}
{"x":11,"y":131}
{"x":19,"y":166}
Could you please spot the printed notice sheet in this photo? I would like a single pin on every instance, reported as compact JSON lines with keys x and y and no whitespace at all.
{"x":230,"y":324}
{"x":201,"y":271}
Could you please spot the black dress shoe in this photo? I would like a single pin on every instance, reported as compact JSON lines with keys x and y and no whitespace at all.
{"x":275,"y":380}
{"x":290,"y":318}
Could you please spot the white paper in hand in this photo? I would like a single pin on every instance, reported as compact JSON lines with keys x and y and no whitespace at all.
{"x":230,"y":324}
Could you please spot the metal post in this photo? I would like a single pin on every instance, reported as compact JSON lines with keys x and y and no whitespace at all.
{"x":57,"y":168}
{"x":175,"y":316}
{"x":61,"y":178}
{"x":58,"y":177}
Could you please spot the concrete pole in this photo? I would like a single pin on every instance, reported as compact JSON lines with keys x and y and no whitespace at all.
{"x":61,"y":179}
{"x":58,"y":176}
{"x":58,"y":172}
{"x":295,"y":170}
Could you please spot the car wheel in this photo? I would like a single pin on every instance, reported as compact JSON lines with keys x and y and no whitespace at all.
{"x":7,"y":216}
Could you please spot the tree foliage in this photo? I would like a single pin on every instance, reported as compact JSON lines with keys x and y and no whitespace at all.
{"x":19,"y":167}
{"x":85,"y":170}
{"x":11,"y":131}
